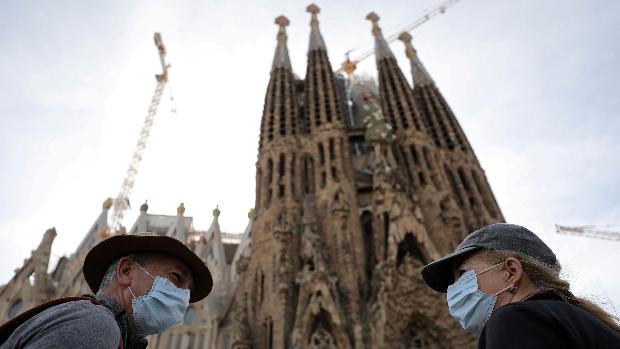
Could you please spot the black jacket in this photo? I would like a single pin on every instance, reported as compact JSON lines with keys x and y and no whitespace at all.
{"x":546,"y":321}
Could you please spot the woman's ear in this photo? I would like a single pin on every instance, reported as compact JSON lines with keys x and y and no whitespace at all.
{"x":124,"y":270}
{"x":514,"y":270}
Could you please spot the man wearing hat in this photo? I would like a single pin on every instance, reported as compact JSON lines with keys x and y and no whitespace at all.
{"x":143,"y":285}
{"x":504,"y":283}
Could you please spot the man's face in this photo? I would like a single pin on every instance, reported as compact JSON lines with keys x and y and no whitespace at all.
{"x":165,"y":266}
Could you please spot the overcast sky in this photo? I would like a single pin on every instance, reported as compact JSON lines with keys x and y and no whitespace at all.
{"x":534,"y":84}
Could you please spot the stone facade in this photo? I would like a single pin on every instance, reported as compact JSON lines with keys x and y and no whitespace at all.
{"x":358,"y":185}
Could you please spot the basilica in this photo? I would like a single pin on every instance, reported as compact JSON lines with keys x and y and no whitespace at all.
{"x":359,"y":183}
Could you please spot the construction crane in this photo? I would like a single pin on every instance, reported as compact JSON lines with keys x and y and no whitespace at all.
{"x":605,"y":232}
{"x":349,"y":66}
{"x":121,"y":203}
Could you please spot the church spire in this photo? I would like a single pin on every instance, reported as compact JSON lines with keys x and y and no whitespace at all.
{"x":382,"y":50}
{"x":280,"y":125}
{"x":316,"y":39}
{"x":397,"y":99}
{"x":322,"y":100}
{"x":467,"y":180}
{"x":440,"y":121}
{"x":281,"y":59}
{"x":419,"y":73}
{"x":280,"y":108}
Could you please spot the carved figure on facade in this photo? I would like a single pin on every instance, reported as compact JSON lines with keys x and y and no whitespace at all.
{"x":312,"y":252}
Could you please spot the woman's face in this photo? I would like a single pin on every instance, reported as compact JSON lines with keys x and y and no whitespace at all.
{"x":491,"y":281}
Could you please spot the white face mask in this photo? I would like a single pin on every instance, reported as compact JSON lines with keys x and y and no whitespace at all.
{"x":471,"y":307}
{"x":163,"y":306}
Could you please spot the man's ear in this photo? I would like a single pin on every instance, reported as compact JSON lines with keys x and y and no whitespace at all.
{"x":124,"y":271}
{"x":515,"y":270}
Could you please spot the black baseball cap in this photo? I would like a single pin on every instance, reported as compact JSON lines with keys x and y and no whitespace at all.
{"x":501,"y":236}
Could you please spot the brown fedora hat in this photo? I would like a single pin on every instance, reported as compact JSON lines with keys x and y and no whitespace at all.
{"x":107,"y":251}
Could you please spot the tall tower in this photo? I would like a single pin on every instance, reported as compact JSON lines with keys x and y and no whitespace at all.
{"x":266,"y":297}
{"x":332,"y":260}
{"x":419,"y":159}
{"x":306,"y":247}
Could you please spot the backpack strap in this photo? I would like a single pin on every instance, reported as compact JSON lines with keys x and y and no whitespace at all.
{"x":10,"y":326}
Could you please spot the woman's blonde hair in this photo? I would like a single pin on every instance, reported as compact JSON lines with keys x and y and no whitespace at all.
{"x":546,"y":278}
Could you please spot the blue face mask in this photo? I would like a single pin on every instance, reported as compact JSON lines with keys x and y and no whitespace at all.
{"x":163,"y":306}
{"x":471,"y":307}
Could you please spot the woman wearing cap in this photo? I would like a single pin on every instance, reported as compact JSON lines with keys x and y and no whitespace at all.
{"x":504,"y":282}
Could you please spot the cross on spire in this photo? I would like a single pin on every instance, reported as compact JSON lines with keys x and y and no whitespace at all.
{"x":382,"y":50}
{"x":281,"y":59}
{"x":374,"y":18}
{"x":316,"y":39}
{"x":282,"y":21}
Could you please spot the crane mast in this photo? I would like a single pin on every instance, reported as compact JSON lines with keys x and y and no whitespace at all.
{"x":121,"y":203}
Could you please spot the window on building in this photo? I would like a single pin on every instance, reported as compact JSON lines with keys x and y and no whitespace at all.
{"x":414,"y":154}
{"x":369,"y":244}
{"x":408,"y":246}
{"x":293,"y":176}
{"x":415,"y":340}
{"x":269,"y":171}
{"x":467,"y":186}
{"x":281,"y":172}
{"x":402,"y":158}
{"x":308,"y":175}
{"x":427,"y":157}
{"x":259,"y":185}
{"x":483,"y":193}
{"x":269,"y":181}
{"x":454,"y":187}
{"x":262,"y":287}
{"x":386,"y":233}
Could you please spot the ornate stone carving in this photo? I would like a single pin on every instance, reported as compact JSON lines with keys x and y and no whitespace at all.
{"x":340,"y":204}
{"x":321,"y":339}
{"x":312,"y":252}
